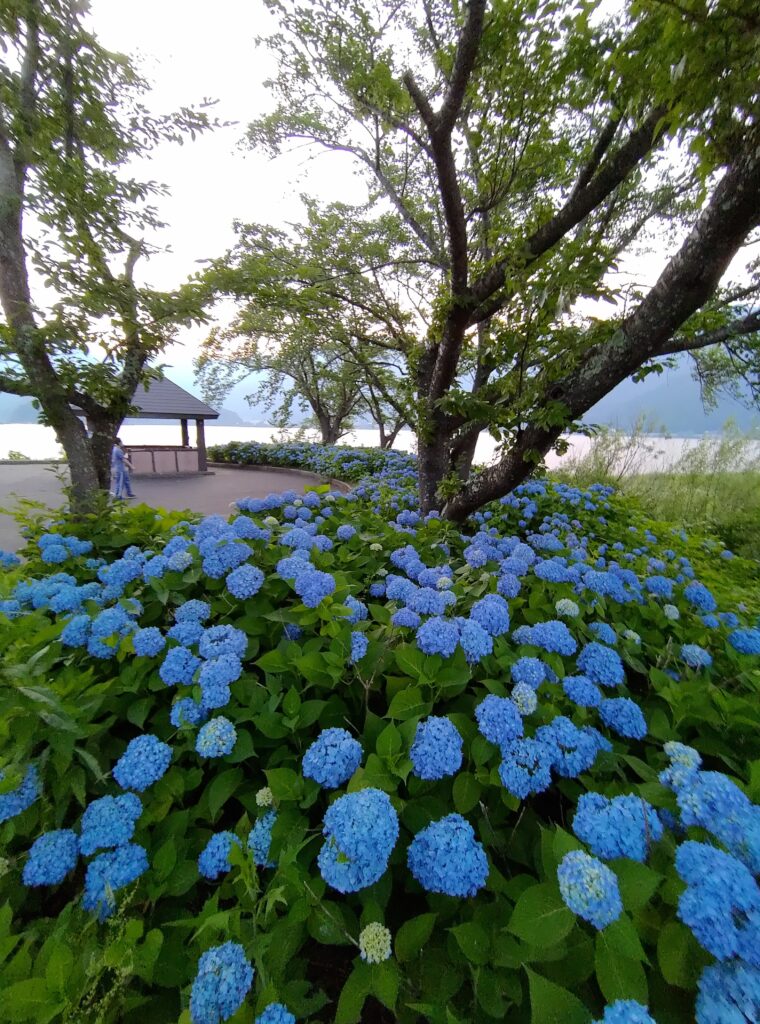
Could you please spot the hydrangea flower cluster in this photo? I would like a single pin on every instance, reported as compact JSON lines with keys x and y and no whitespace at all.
{"x":360,"y":831}
{"x":625,"y":826}
{"x":332,"y":758}
{"x":437,"y":749}
{"x":446,"y":858}
{"x":144,"y":762}
{"x":51,"y":857}
{"x":374,"y":943}
{"x":216,"y":738}
{"x":589,"y":889}
{"x":221,"y":984}
{"x":109,"y":821}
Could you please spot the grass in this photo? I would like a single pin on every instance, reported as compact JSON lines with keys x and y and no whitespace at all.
{"x":712,"y":487}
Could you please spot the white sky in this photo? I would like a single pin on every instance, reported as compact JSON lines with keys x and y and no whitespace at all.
{"x":189,"y":50}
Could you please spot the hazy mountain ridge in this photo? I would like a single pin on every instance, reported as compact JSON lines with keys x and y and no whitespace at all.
{"x":670,"y":401}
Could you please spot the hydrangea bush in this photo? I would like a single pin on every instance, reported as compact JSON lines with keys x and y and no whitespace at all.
{"x":329,"y":760}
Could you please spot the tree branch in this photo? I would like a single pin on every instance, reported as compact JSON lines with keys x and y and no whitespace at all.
{"x":610,"y":174}
{"x":464,"y":62}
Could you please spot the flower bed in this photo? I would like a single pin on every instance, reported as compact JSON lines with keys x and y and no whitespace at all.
{"x":330,"y":761}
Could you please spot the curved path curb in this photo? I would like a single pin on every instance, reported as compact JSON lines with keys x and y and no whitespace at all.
{"x":208,"y":495}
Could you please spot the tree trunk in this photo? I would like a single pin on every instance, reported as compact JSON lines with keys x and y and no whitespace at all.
{"x":103,"y":433}
{"x":330,"y":430}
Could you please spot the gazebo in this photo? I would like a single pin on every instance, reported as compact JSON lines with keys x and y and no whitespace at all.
{"x":165,"y":400}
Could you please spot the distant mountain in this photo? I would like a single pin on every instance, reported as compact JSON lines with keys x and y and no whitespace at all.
{"x":671,"y":402}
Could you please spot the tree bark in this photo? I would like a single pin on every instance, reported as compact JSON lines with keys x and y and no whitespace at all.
{"x":649,"y":331}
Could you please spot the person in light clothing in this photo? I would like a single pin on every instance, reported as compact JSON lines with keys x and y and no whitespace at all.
{"x":121,"y":485}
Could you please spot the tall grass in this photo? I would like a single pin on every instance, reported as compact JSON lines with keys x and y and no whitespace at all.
{"x":712,"y":486}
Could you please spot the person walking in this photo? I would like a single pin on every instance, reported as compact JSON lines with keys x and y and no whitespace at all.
{"x":120,"y":467}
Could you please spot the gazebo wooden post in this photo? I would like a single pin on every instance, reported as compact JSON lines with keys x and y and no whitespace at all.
{"x":185,"y":434}
{"x":202,"y":461}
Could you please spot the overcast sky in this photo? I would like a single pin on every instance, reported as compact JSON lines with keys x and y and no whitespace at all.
{"x":189,"y":50}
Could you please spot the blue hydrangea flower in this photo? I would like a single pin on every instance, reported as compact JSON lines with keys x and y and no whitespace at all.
{"x":430,"y":601}
{"x":215,"y":678}
{"x":219,"y":640}
{"x":499,"y":720}
{"x":625,"y":1011}
{"x":108,"y":873}
{"x":51,"y":858}
{"x":696,"y":656}
{"x":660,"y":586}
{"x":76,"y":632}
{"x":581,"y":691}
{"x":721,"y":903}
{"x":221,"y":984}
{"x":729,"y":993}
{"x":589,"y":889}
{"x":625,"y":826}
{"x":358,"y":610}
{"x":109,"y":821}
{"x":214,"y":859}
{"x":186,"y":633}
{"x":17,"y":800}
{"x":260,"y":839}
{"x":531,"y":671}
{"x":508,"y":585}
{"x":575,"y":750}
{"x":276,"y":1013}
{"x":186,"y":711}
{"x":144,"y":762}
{"x":359,"y":645}
{"x":361,"y":830}
{"x":216,"y":738}
{"x":624,"y":717}
{"x":492,"y":613}
{"x":474,"y":641}
{"x":552,"y":636}
{"x":526,"y":767}
{"x":314,"y":586}
{"x":245,"y":581}
{"x":745,"y":641}
{"x":700,"y":597}
{"x":437,"y":749}
{"x":710,"y":800}
{"x":524,"y":699}
{"x":332,"y":758}
{"x":601,"y":664}
{"x":446,"y":858}
{"x":438,"y":636}
{"x":604,"y":632}
{"x":684,"y":763}
{"x":192,"y":611}
{"x":345,"y":532}
{"x":178,"y":667}
{"x":148,"y":642}
{"x":405,"y":618}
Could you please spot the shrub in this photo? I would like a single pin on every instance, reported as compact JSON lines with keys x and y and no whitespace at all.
{"x":295,"y":795}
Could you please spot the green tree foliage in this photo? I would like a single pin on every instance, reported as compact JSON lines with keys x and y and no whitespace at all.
{"x":324,"y":313}
{"x":71,"y":117}
{"x":523,"y":153}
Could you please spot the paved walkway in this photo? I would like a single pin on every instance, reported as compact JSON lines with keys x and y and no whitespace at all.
{"x":207,"y":494}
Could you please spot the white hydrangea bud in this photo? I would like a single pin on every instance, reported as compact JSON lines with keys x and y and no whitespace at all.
{"x":375,"y":943}
{"x":264,"y":797}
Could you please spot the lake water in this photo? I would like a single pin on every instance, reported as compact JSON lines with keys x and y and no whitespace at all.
{"x":38,"y":442}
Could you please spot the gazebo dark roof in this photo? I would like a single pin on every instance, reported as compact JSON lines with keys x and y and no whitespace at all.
{"x":165,"y":400}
